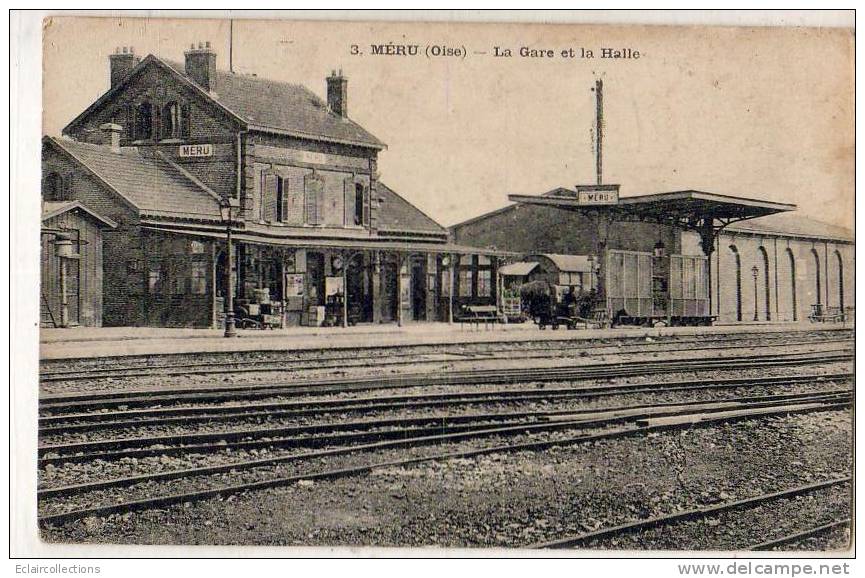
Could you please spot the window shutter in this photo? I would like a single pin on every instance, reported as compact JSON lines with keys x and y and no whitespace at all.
{"x":269,"y":193}
{"x":348,"y":194}
{"x":282,"y":199}
{"x":313,"y":188}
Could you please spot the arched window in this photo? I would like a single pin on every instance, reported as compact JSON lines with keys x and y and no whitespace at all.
{"x":793,"y":284}
{"x":358,"y":204}
{"x":840,"y":279}
{"x":170,"y":119}
{"x":817,"y":280}
{"x":738,"y":262}
{"x":144,"y":121}
{"x":764,"y":262}
{"x":54,"y":189}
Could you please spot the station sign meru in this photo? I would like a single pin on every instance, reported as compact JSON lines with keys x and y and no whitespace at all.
{"x":603,"y":195}
{"x":196,"y":150}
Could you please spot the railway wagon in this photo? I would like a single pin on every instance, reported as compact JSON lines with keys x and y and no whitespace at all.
{"x":645,"y":288}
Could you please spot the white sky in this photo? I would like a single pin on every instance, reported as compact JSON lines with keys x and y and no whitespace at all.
{"x":762,"y":113}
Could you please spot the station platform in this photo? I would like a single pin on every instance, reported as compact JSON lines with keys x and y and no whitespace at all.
{"x":88,"y":342}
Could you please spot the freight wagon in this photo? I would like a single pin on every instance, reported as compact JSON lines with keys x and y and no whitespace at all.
{"x":645,"y":288}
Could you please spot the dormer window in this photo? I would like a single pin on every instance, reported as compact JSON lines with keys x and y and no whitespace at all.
{"x":144,"y":121}
{"x":170,"y":121}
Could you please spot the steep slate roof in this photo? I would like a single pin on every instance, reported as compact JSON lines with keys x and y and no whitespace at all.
{"x":397,"y":214}
{"x":293,"y":108}
{"x":51,"y":209}
{"x":151,"y":184}
{"x":792,"y":224}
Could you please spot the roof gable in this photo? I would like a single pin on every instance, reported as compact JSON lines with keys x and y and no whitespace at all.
{"x":145,"y":180}
{"x":132,"y":77}
{"x":270,"y":105}
{"x":51,"y":209}
{"x":253,"y":103}
{"x":396,"y":214}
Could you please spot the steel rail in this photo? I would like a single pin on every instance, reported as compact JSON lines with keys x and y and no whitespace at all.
{"x":795,"y":537}
{"x":250,"y":366}
{"x":183,"y":415}
{"x":105,"y":364}
{"x":166,"y":500}
{"x":491,"y":377}
{"x":695,"y":513}
{"x":225,"y":438}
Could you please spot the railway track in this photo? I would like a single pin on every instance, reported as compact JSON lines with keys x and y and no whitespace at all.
{"x":601,"y":425}
{"x":100,"y":421}
{"x":358,"y":360}
{"x":366,"y":430}
{"x":95,"y":401}
{"x":597,"y":538}
{"x":801,"y":535}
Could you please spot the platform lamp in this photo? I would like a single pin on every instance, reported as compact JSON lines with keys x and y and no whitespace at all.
{"x":754,"y":272}
{"x":65,"y":242}
{"x":229,"y":210}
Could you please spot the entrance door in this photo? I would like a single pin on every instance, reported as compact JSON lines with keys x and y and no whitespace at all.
{"x":389,"y":296}
{"x":315,"y":278}
{"x":358,"y":291}
{"x":418,"y":290}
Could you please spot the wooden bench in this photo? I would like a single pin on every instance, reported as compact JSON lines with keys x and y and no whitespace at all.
{"x":825,"y":314}
{"x":477,"y":314}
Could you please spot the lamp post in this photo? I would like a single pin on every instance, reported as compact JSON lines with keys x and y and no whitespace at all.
{"x":229,"y":210}
{"x":754,"y":272}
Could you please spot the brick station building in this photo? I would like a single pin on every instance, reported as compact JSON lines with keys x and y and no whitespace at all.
{"x":170,"y":142}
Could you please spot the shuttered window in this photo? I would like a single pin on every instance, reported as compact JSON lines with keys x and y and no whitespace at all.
{"x":313,"y":186}
{"x":348,"y":189}
{"x":269,"y":197}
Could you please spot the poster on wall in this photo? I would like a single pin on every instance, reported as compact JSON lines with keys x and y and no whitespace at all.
{"x":405,"y":291}
{"x":293,"y":285}
{"x":332,"y":286}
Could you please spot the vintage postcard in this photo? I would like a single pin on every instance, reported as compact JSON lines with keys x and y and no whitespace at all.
{"x":541,"y":288}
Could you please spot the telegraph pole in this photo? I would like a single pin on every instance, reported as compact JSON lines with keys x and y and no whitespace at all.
{"x":599,"y":129}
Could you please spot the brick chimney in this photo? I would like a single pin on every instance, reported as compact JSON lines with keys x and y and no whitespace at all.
{"x":337,"y":93}
{"x":201,"y":66}
{"x":122,"y":62}
{"x":111,"y":135}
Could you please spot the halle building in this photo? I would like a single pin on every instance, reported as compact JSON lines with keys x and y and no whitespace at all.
{"x":169,"y":143}
{"x":779,"y":267}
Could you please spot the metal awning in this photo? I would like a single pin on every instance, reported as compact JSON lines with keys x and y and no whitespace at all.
{"x":518,"y":269}
{"x":706,"y":213}
{"x":370,"y":244}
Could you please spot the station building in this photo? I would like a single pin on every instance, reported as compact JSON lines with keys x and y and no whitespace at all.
{"x":777,"y":267}
{"x":169,"y":145}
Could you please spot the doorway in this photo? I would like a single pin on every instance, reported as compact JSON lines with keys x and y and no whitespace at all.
{"x":418,"y":289}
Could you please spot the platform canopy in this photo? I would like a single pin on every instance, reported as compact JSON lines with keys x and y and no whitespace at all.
{"x":706,"y":213}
